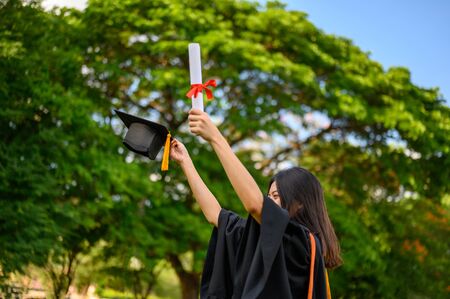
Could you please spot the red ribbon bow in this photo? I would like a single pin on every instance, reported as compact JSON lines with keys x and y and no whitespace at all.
{"x":197,"y":88}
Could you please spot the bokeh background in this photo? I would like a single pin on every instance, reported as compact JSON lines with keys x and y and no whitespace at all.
{"x":81,"y":216}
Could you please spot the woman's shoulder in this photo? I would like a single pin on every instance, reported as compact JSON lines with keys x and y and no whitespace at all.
{"x":297,"y":232}
{"x":295,"y":226}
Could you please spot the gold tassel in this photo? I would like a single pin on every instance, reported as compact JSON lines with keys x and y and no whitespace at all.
{"x":165,"y":160}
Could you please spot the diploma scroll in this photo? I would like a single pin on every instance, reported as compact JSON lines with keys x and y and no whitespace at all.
{"x":195,"y":69}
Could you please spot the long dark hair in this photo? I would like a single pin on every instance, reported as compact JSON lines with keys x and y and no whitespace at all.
{"x":302,"y":196}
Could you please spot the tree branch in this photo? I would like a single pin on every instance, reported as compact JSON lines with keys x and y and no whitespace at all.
{"x":176,"y":264}
{"x":296,"y":146}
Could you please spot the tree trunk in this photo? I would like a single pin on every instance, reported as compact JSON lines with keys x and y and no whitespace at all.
{"x":62,"y":275}
{"x":190,"y":284}
{"x":190,"y":281}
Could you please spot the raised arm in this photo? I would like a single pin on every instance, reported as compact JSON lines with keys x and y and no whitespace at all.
{"x":241,"y":180}
{"x":206,"y":200}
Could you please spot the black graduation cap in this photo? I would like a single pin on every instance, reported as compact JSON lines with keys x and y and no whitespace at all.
{"x":146,"y":137}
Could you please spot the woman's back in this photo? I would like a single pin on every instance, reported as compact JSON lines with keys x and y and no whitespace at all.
{"x":246,"y":259}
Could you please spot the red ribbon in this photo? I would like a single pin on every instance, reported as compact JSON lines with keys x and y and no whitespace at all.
{"x":198,"y":88}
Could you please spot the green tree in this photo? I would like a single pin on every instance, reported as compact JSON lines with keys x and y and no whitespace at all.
{"x":384,"y":143}
{"x":384,"y":139}
{"x":60,"y":170}
{"x":289,"y":94}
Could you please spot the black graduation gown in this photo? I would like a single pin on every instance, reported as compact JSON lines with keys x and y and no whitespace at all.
{"x":248,"y":260}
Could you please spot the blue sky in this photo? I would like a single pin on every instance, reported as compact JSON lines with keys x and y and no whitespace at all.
{"x":414,"y":34}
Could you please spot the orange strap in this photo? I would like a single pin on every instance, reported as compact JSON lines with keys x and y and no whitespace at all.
{"x":328,"y":286}
{"x":311,"y":270}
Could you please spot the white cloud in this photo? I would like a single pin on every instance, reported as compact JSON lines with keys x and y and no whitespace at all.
{"x":79,"y":4}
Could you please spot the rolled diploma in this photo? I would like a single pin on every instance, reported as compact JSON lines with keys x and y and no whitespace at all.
{"x":195,"y":69}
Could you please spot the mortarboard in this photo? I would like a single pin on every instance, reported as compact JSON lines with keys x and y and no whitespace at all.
{"x":146,"y":137}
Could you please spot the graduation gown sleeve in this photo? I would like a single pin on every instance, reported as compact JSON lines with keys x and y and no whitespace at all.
{"x":218,"y":271}
{"x":249,"y":260}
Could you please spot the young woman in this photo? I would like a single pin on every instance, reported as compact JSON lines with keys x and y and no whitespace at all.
{"x":281,"y":249}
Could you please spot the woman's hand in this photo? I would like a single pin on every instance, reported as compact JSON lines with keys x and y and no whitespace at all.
{"x":178,"y":152}
{"x":200,"y":124}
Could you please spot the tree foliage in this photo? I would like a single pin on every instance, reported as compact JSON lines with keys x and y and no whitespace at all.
{"x":288,"y":94}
